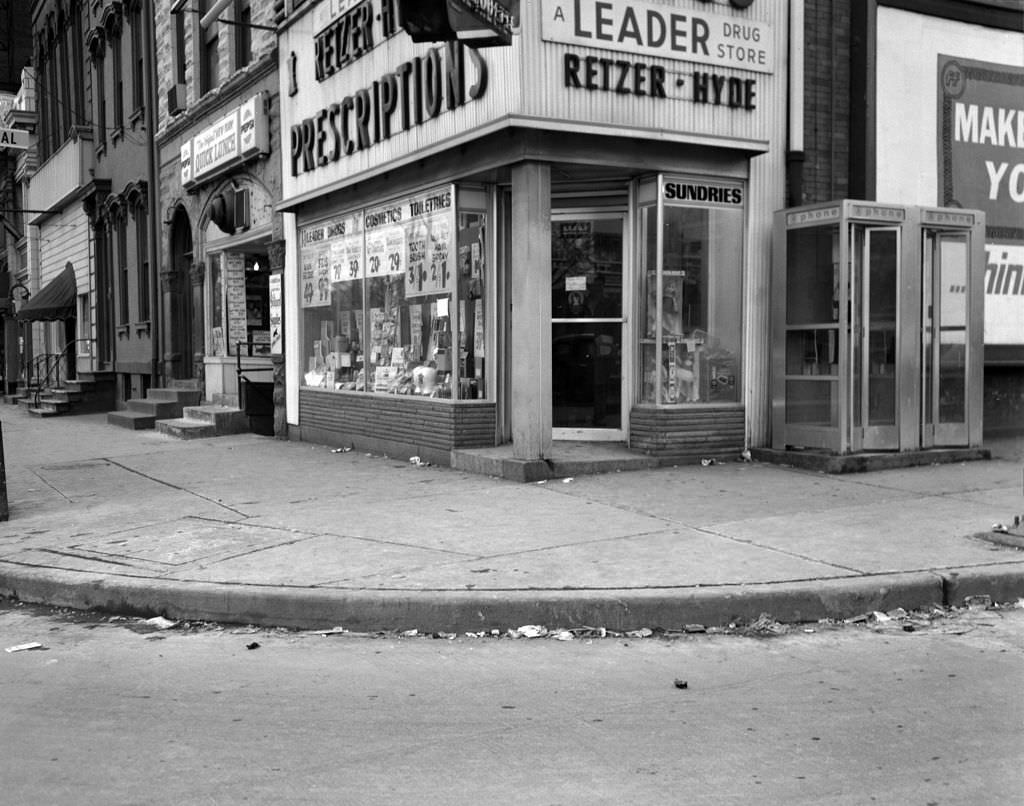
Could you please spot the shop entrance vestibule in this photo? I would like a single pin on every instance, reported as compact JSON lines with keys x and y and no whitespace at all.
{"x":878,"y":335}
{"x":588,"y":302}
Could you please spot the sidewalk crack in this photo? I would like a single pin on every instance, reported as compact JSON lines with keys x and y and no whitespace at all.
{"x":177,"y":487}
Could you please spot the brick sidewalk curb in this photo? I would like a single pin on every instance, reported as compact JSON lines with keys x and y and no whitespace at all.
{"x":458,"y":611}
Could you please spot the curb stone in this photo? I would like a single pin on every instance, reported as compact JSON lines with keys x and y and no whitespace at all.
{"x":457,"y":611}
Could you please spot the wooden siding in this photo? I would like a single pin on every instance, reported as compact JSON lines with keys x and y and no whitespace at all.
{"x":397,"y":425}
{"x":684,"y":435}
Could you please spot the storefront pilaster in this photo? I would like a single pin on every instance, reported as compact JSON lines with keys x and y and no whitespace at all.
{"x":530,"y":393}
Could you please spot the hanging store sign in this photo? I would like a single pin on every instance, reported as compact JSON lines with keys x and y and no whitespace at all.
{"x":234,"y":139}
{"x":660,"y":31}
{"x":411,"y":237}
{"x":485,"y":20}
{"x":14,"y":138}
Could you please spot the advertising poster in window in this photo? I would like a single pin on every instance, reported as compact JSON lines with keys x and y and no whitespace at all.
{"x":276,"y":308}
{"x":430,"y":236}
{"x":412,"y":237}
{"x":314,"y":266}
{"x":981,"y":138}
{"x":345,"y":239}
{"x":234,"y":281}
{"x":385,"y":240}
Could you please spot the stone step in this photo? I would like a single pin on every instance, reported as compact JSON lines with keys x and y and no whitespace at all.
{"x":29,"y":401}
{"x":205,"y":421}
{"x":53,"y":404}
{"x":133,"y":420}
{"x":186,"y":397}
{"x":65,"y":395}
{"x":183,"y":428}
{"x":226,"y":419}
{"x":44,"y":411}
{"x":160,"y":409}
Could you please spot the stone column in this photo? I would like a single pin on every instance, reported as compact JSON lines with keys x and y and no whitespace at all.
{"x":197,"y":280}
{"x":167,"y":325}
{"x":530,"y":352}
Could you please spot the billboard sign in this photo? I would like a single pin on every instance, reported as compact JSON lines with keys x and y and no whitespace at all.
{"x":981,"y":140}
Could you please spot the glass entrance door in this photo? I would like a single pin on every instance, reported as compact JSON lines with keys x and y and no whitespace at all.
{"x":944,"y":339}
{"x":874,"y":298}
{"x":588,"y":298}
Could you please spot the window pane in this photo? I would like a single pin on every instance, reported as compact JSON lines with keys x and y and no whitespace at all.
{"x":217,"y":323}
{"x":243,"y":33}
{"x":812,"y":287}
{"x":692,"y":310}
{"x":142,"y":249}
{"x":380,"y":312}
{"x":472,"y":324}
{"x":811,"y":403}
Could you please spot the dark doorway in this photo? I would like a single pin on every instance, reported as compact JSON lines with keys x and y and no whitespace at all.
{"x":181,"y":296}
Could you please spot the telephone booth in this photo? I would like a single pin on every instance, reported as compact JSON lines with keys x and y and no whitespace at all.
{"x":877,"y":332}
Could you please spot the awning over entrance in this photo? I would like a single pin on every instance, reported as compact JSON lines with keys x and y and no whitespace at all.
{"x":55,"y":301}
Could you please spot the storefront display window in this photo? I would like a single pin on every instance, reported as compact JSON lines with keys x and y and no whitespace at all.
{"x":239,"y":303}
{"x":393,"y":299}
{"x":691,"y":294}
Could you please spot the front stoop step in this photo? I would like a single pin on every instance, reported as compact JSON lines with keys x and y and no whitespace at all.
{"x":159,"y":404}
{"x":199,"y":422}
{"x":132,"y":420}
{"x":49,"y":406}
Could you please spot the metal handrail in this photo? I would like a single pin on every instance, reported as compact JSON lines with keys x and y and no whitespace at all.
{"x":52,"y":363}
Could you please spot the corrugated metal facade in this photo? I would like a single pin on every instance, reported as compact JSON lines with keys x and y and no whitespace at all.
{"x":528,"y":87}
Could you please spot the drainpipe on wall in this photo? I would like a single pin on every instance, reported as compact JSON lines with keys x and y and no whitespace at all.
{"x":153,"y":181}
{"x":795,"y":146}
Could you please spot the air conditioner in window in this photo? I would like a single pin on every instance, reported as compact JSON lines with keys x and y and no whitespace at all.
{"x":176,"y":99}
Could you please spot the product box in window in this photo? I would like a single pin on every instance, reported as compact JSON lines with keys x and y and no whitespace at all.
{"x":721,"y":380}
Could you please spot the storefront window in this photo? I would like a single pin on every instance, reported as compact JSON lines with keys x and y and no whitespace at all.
{"x":393,"y":299}
{"x":691,"y":299}
{"x":218,"y":339}
{"x":257,"y":304}
{"x":239,"y":303}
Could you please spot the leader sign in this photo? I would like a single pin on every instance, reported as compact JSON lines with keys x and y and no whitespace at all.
{"x":661,"y":31}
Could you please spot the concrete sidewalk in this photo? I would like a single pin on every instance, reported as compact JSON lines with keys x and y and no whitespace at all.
{"x":255,"y":530}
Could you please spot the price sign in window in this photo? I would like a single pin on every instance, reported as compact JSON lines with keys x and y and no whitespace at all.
{"x":391,"y":271}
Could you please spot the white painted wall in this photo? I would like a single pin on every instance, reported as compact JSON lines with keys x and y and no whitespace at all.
{"x":906,"y":88}
{"x":907,"y":126}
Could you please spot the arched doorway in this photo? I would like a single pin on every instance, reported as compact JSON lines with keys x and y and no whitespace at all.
{"x":180,"y":298}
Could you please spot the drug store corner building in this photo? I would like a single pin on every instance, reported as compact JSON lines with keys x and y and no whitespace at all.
{"x":563,"y":238}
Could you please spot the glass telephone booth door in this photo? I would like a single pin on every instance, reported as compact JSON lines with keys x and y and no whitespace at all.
{"x":874,"y":294}
{"x":877,"y":328}
{"x":944,"y":338}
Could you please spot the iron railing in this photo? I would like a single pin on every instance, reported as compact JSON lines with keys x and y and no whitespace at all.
{"x":48,"y":371}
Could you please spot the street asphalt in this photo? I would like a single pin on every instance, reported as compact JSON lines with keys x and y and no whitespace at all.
{"x":256,"y":530}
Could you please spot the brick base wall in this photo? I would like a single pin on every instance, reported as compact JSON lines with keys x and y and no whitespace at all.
{"x":682,"y":435}
{"x":396,"y":425}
